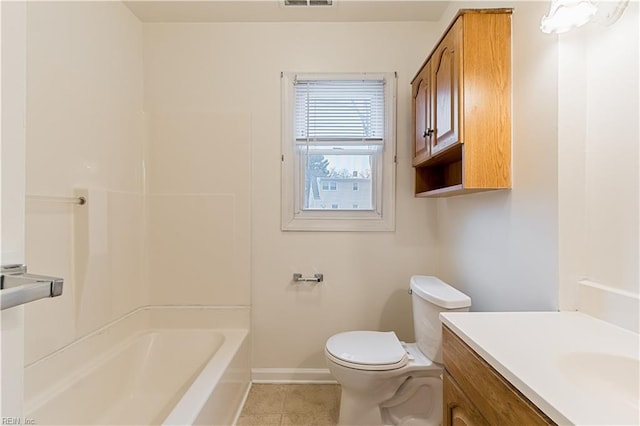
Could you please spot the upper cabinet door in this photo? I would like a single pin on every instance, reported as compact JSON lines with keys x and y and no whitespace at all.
{"x":422,"y":117}
{"x":446,"y":81}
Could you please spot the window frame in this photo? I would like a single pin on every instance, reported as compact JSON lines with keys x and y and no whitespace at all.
{"x":382,"y":217}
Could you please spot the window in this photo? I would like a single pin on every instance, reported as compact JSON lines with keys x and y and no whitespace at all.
{"x":338,"y":149}
{"x":328,"y":185}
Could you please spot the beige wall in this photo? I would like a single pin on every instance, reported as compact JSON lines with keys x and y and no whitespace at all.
{"x":235,"y":68}
{"x":199,"y":208}
{"x":598,"y":169}
{"x":501,"y":247}
{"x":84,"y":130}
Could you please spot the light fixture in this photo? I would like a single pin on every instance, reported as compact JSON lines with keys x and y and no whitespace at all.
{"x":567,"y":14}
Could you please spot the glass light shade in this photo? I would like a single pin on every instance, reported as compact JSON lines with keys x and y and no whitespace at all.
{"x":567,"y":14}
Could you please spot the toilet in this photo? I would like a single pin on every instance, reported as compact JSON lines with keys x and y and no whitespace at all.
{"x":388,"y":382}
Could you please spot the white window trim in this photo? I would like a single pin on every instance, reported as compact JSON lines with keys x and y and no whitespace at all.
{"x":380,"y":219}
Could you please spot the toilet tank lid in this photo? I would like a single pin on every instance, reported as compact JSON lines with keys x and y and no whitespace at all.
{"x":438,"y":292}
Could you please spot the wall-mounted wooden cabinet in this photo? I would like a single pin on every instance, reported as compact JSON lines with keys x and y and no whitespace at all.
{"x":477,"y":395}
{"x":461,"y":108}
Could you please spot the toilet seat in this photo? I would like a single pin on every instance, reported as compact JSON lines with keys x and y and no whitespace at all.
{"x":367,"y":350}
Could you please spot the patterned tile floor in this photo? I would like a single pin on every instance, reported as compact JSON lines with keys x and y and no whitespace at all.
{"x":299,"y":405}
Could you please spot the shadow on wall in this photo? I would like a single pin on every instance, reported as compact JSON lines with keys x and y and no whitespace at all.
{"x":397,"y":315}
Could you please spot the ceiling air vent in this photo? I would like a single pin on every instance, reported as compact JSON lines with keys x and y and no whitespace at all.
{"x":309,"y":2}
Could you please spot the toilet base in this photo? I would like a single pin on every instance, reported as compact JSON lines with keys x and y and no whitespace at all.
{"x":358,"y":411}
{"x":418,"y":402}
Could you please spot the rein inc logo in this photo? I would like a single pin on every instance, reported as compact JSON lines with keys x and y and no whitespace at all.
{"x":17,"y":421}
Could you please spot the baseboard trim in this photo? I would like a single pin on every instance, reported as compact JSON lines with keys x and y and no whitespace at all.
{"x":291,"y":375}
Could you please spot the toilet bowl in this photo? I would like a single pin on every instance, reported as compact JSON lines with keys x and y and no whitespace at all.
{"x":378,"y":380}
{"x":389,"y":382}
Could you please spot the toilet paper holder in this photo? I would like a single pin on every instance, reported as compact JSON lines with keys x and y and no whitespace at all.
{"x":316,"y":278}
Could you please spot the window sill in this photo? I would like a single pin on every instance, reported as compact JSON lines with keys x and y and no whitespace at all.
{"x":340,"y":225}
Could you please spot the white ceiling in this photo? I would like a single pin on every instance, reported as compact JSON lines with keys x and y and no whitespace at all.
{"x":274,"y":11}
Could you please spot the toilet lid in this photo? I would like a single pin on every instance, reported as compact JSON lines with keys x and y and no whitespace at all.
{"x":367,"y":350}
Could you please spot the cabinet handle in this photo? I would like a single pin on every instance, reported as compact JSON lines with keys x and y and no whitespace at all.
{"x":428,"y":132}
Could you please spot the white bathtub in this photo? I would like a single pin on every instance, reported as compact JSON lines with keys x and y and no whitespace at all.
{"x":154,"y":366}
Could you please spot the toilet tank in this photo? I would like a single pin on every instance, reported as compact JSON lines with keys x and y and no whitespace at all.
{"x":430,"y":296}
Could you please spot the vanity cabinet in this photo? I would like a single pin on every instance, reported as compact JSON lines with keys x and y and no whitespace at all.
{"x":476,"y":394}
{"x":461,"y":108}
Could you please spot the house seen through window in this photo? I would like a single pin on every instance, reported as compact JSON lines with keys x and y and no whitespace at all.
{"x":330,"y":184}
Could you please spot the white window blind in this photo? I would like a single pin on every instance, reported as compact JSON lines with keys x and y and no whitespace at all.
{"x":345,"y":111}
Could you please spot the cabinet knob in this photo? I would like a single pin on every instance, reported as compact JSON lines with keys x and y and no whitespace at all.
{"x":428,"y":132}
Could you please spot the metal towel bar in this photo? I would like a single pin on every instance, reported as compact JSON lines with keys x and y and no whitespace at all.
{"x":56,"y":199}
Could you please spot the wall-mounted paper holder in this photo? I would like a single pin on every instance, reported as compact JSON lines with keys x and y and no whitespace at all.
{"x":17,"y":287}
{"x":316,"y":278}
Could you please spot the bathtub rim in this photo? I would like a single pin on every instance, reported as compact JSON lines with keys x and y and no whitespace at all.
{"x":192,"y":402}
{"x":148,"y":308}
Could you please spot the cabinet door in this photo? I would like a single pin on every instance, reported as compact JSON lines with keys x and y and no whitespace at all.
{"x":446,"y":82}
{"x":458,"y":409}
{"x":422,"y":132}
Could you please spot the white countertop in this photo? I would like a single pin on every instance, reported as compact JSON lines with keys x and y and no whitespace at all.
{"x":575,"y":368}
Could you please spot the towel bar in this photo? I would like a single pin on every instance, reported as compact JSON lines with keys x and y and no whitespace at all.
{"x":80,"y":201}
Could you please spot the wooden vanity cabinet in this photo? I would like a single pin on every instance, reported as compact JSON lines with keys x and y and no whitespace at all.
{"x":476,"y":394}
{"x":461,"y":108}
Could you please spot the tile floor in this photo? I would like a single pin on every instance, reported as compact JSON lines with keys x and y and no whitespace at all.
{"x":299,"y":405}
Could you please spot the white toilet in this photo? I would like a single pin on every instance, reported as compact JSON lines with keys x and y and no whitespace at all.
{"x":388,"y":382}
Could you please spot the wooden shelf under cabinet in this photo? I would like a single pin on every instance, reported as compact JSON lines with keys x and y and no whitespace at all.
{"x":461,"y":108}
{"x":443,"y":173}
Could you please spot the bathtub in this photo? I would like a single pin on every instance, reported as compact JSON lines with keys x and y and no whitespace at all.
{"x":157,"y":365}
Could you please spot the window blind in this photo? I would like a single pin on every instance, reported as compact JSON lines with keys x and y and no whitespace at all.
{"x":344,"y":111}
